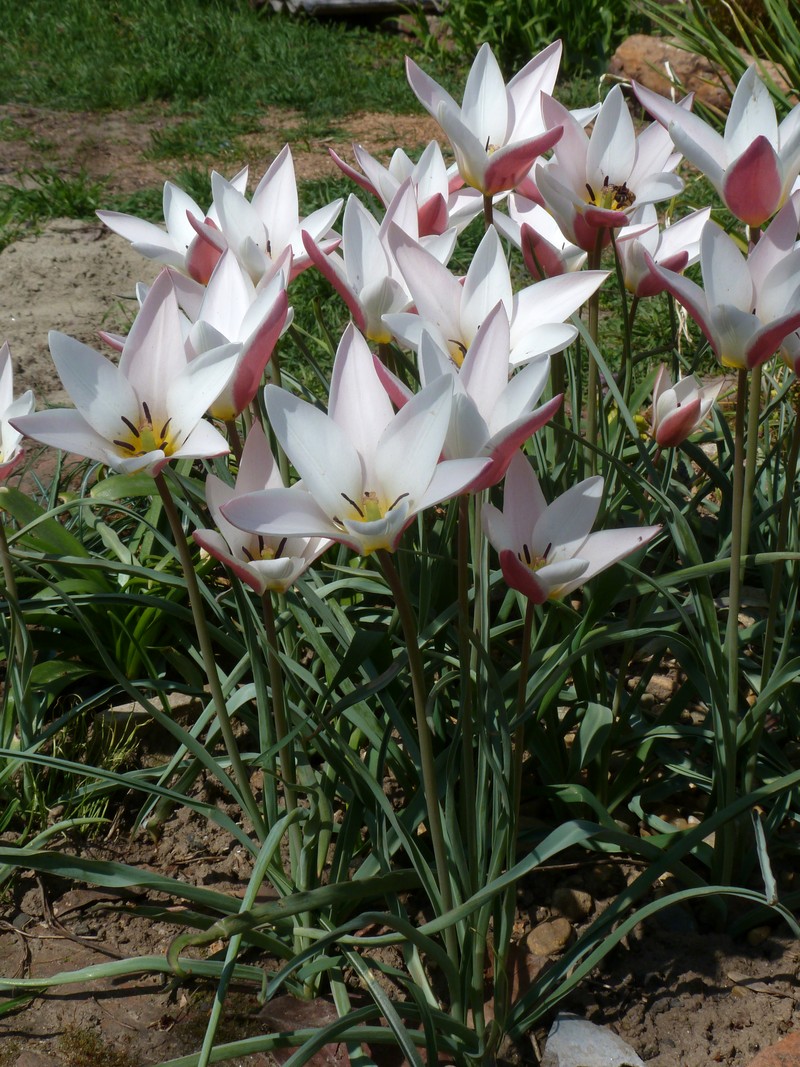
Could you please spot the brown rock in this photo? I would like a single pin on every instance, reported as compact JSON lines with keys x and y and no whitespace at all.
{"x":662,"y":66}
{"x":548,"y":938}
{"x":574,"y":904}
{"x":785,"y":1054}
{"x":36,"y":1059}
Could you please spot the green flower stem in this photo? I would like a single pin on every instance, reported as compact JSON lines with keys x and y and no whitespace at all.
{"x":628,"y":316}
{"x":787,"y":506}
{"x":591,"y":378}
{"x":386,"y":354}
{"x":234,"y":439}
{"x":488,"y":211}
{"x":726,"y":747}
{"x":11,"y":593}
{"x":751,"y":459}
{"x":427,"y":760}
{"x":285,"y":754}
{"x":467,"y":727}
{"x":209,"y":660}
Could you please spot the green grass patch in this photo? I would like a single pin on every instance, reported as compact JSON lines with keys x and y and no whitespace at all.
{"x":46,"y":195}
{"x":88,"y":56}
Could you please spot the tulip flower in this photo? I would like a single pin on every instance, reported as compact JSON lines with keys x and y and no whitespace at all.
{"x":366,"y":274}
{"x":545,"y":250}
{"x":547,"y":550}
{"x":365,"y":470}
{"x":441,"y":202}
{"x":755,"y":163}
{"x":263,"y":231}
{"x":592,"y":183}
{"x":11,"y":450}
{"x":179,"y":245}
{"x":674,"y":248}
{"x":492,"y":415}
{"x":497,"y":133}
{"x":262,"y":563}
{"x":148,"y":410}
{"x":749,"y":305}
{"x":679,"y":409}
{"x":452,"y":312}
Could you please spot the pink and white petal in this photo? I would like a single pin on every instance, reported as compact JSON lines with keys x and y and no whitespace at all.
{"x":365,"y":183}
{"x":318,"y":223}
{"x":541,"y":341}
{"x":434,"y":361}
{"x":687,"y":293}
{"x":229,"y":294}
{"x":520,"y":577}
{"x":257,"y":468}
{"x":607,"y":547}
{"x":484,"y":107}
{"x":752,"y":115}
{"x":433,"y":216}
{"x":410,"y":446}
{"x":726,"y":276}
{"x":694,"y":140}
{"x":281,"y":512}
{"x":357,"y":401}
{"x":488,"y":282}
{"x":204,"y":441}
{"x":753,"y":186}
{"x":471,"y":154}
{"x":178,"y":208}
{"x":320,"y":450}
{"x":275,"y":200}
{"x":429,"y":93}
{"x":467,"y":433}
{"x":504,"y":445}
{"x":657,"y":187}
{"x":451,"y":478}
{"x":484,"y":372}
{"x":612,"y":147}
{"x":365,"y":259}
{"x":537,"y":76}
{"x":567,"y":521}
{"x":677,"y":422}
{"x":100,"y":392}
{"x":523,"y":501}
{"x":435,"y":291}
{"x":154,"y":354}
{"x":520,"y":394}
{"x":193,"y":391}
{"x":508,"y":166}
{"x":572,"y":146}
{"x":496,"y":529}
{"x":553,"y":300}
{"x":66,"y":429}
{"x":765,"y":342}
{"x":332,"y":267}
{"x":562,"y":576}
{"x":147,"y":238}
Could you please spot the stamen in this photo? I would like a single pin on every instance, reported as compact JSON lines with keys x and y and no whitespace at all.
{"x":396,"y":502}
{"x":547,"y":550}
{"x":269,"y":248}
{"x":592,"y":197}
{"x":281,"y":547}
{"x":249,"y":554}
{"x":164,"y":428}
{"x":527,"y":552}
{"x":147,"y":414}
{"x":353,"y":503}
{"x":130,"y":426}
{"x":125,"y":444}
{"x":260,"y":543}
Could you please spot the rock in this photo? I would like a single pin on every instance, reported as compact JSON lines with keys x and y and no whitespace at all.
{"x":548,"y":938}
{"x":35,"y":1059}
{"x":785,"y":1054}
{"x":575,"y":1042}
{"x":575,"y":904}
{"x":661,"y":66}
{"x":758,"y":935}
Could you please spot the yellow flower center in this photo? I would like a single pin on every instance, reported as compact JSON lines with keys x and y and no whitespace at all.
{"x":611,"y":197}
{"x":370,"y":509}
{"x":458,"y":351}
{"x":144,"y":438}
{"x":534,"y":563}
{"x":266,"y":551}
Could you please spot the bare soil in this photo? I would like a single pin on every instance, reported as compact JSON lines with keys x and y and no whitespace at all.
{"x":680,"y":994}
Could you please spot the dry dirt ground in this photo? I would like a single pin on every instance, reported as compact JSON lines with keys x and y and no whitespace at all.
{"x":679,"y":994}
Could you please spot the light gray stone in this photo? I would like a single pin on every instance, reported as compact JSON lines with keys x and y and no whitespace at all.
{"x":575,"y":1042}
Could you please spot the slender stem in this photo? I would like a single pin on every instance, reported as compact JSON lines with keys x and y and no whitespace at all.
{"x":285,"y":754}
{"x":11,"y":592}
{"x":467,"y":730}
{"x":751,"y":456}
{"x":592,"y":377}
{"x":726,"y":758}
{"x":427,"y":759}
{"x":234,"y":439}
{"x":209,"y":660}
{"x":488,"y":211}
